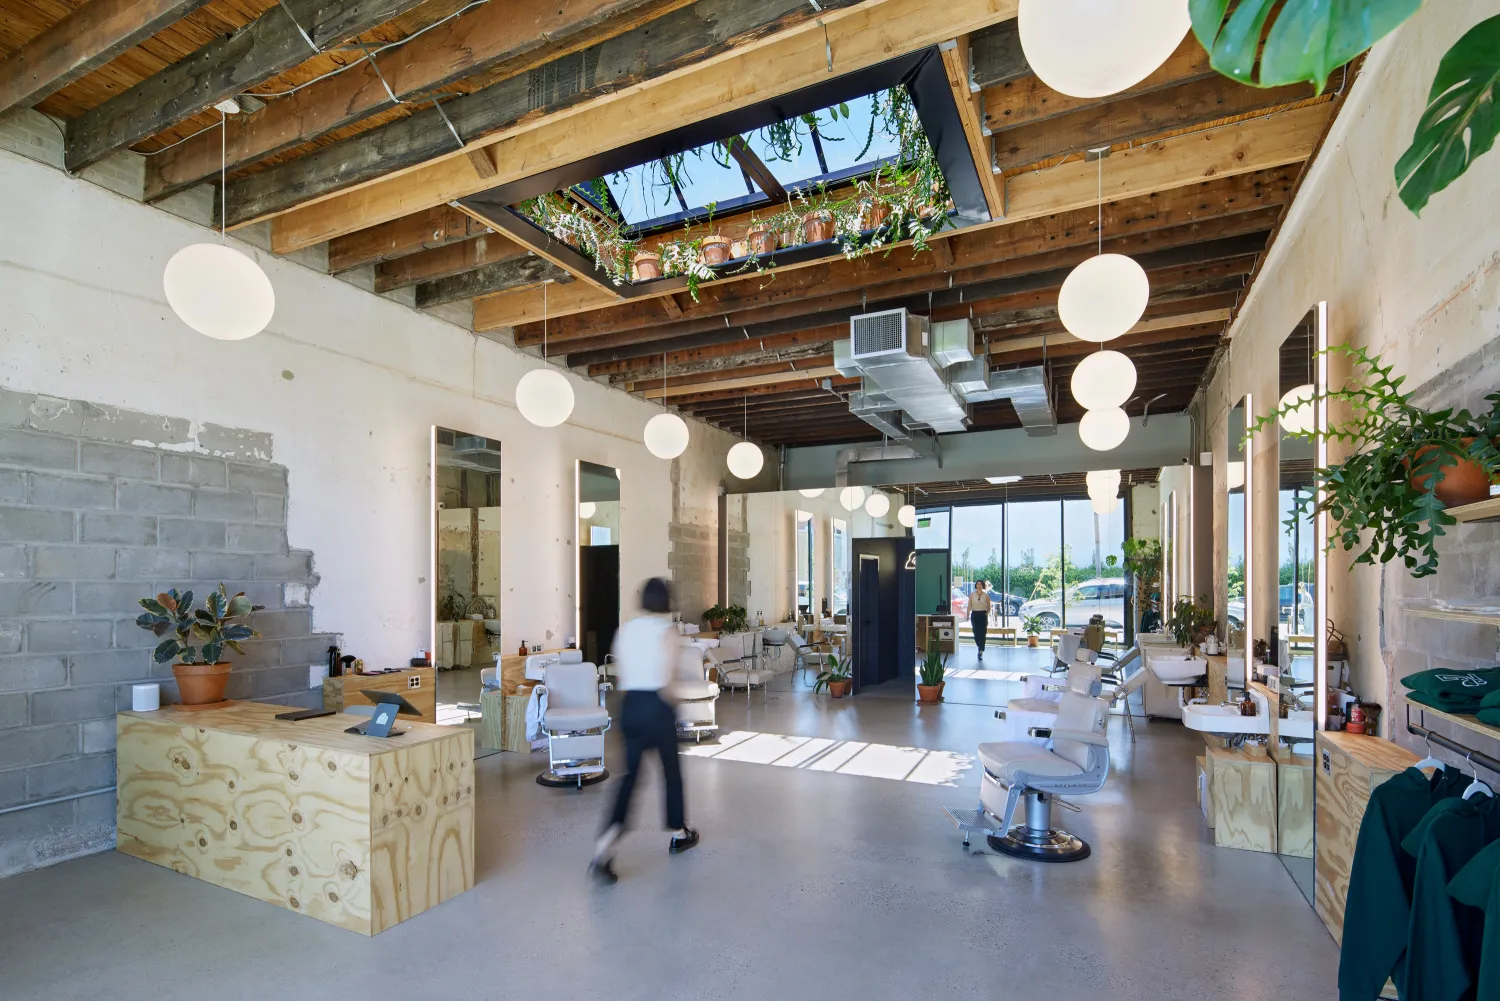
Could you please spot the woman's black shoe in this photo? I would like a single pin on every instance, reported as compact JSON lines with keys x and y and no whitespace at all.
{"x":681,"y":844}
{"x":604,"y":872}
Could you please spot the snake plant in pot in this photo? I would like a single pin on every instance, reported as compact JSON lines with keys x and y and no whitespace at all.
{"x":930,"y":683}
{"x":1406,"y":466}
{"x":196,"y":639}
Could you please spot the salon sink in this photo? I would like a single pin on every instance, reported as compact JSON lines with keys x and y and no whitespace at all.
{"x":492,"y":626}
{"x":1298,"y":724}
{"x":1221,"y":719}
{"x":1176,"y":669}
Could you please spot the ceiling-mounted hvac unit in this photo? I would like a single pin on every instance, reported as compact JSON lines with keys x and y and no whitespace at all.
{"x":890,"y":337}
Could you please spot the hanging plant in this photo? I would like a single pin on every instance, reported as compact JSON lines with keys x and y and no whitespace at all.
{"x":1385,"y":497}
{"x":1460,"y":122}
{"x":1307,"y":39}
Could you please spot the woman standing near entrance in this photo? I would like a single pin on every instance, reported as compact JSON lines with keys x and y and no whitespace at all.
{"x":979,"y":613}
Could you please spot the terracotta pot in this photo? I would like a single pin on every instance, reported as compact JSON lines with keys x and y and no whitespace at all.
{"x":873,"y":214}
{"x":646,"y":267}
{"x":838,"y":689}
{"x":817,"y":227}
{"x":929,"y":694}
{"x":761,"y":240}
{"x":201,"y":684}
{"x":1031,"y":641}
{"x":715,"y":624}
{"x":739,"y":248}
{"x":1463,"y":483}
{"x":715,"y":250}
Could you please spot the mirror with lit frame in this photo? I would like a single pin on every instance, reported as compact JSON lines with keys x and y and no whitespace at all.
{"x":1236,"y":543}
{"x":598,"y":591}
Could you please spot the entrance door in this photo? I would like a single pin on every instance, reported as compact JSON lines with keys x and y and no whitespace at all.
{"x":867,"y":639}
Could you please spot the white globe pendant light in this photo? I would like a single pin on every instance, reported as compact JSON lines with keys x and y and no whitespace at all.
{"x":1301,"y":419}
{"x":811,"y":492}
{"x":666,"y":433}
{"x":1103,"y":297}
{"x":587,"y":509}
{"x":1094,"y":48}
{"x":878,"y":505}
{"x":544,"y":395}
{"x":1104,"y":505}
{"x":907,"y":516}
{"x":1102,"y":380}
{"x":218,"y":291}
{"x":1236,"y":475}
{"x":852,"y":498}
{"x":745,"y":460}
{"x":1103,"y":482}
{"x":1103,"y":430}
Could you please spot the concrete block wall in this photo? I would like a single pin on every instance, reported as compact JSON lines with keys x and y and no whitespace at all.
{"x":693,"y":559}
{"x":100,"y":507}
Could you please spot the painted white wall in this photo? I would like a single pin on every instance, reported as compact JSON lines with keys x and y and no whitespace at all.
{"x":1423,"y":292}
{"x":350,"y":385}
{"x":771,"y":522}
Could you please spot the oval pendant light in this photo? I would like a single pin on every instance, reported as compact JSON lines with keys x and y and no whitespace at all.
{"x":1094,"y":48}
{"x":666,"y":433}
{"x":852,"y":498}
{"x":544,"y":395}
{"x":1301,"y":419}
{"x":1236,"y":474}
{"x":811,"y":492}
{"x":1103,"y":430}
{"x":1103,"y":380}
{"x":1103,"y":297}
{"x":1103,"y":482}
{"x":907,"y":516}
{"x":878,"y":505}
{"x":1104,"y":505}
{"x":745,"y":460}
{"x":587,"y":510}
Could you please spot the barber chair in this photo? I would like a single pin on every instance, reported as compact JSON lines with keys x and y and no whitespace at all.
{"x":738,"y":668}
{"x":1072,"y":761}
{"x":810,"y":656}
{"x":1038,"y":707}
{"x":695,"y":697}
{"x":575,"y":723}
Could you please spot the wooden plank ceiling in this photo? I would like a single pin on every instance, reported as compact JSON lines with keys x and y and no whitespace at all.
{"x":366,"y":119}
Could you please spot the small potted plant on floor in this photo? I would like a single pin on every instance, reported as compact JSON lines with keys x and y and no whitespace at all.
{"x":1031,"y":625}
{"x":930,"y":683}
{"x":170,"y":616}
{"x":838,"y":679}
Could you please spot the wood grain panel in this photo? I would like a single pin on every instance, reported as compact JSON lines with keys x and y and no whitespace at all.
{"x":1243,"y":787}
{"x":338,"y":693}
{"x":1294,"y":808}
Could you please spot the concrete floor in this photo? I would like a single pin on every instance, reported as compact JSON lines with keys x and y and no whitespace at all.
{"x":827,"y":870}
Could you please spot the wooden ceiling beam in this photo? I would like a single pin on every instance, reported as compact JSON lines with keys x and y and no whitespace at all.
{"x":496,"y":39}
{"x":513,"y":272}
{"x":1181,"y":107}
{"x":1023,"y":99}
{"x":746,"y":53}
{"x":273,"y":43}
{"x":996,"y":56}
{"x":732,"y":383}
{"x":956,"y":65}
{"x":641,"y":367}
{"x":445,"y":262}
{"x":426,"y":230}
{"x":80,"y":43}
{"x":753,"y":392}
{"x":789,"y":367}
{"x":1126,"y":222}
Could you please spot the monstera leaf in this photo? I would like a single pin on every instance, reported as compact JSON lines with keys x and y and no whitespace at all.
{"x":1308,"y":40}
{"x":1460,"y":122}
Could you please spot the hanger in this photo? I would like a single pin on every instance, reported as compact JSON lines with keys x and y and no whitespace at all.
{"x":1476,"y":786}
{"x":1429,"y":761}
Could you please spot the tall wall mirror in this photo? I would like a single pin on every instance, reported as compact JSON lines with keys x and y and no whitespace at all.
{"x":598,"y":559}
{"x":466,"y":576}
{"x":1236,"y":546}
{"x":806,"y":563}
{"x":1297,"y":620}
{"x":838,"y":570}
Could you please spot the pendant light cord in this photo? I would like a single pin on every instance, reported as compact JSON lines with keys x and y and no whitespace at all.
{"x":1100,"y":227}
{"x":544,"y":321}
{"x":223,"y":176}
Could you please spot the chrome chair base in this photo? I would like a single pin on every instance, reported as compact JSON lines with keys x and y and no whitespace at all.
{"x":553,"y":780}
{"x":1040,"y":846}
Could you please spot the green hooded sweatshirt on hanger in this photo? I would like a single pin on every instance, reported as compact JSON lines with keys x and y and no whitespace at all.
{"x":1478,"y":885}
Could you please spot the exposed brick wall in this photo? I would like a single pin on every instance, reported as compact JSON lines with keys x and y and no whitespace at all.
{"x":91,"y":520}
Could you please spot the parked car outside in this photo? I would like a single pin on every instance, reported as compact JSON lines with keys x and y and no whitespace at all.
{"x":1100,"y":596}
{"x":1001,"y":603}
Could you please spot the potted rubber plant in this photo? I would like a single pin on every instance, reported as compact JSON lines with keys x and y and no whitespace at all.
{"x":838,"y":679}
{"x":930,"y":681}
{"x":1389,"y":497}
{"x":1190,"y":624}
{"x":1031,"y":625}
{"x":196,"y":639}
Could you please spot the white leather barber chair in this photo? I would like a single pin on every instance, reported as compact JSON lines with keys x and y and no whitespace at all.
{"x":1070,"y":650}
{"x":1073,"y":761}
{"x":740,"y":667}
{"x":695,"y":696}
{"x":575,"y":723}
{"x":1038,"y":707}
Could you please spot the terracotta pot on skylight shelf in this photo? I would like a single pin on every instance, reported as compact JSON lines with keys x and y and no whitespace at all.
{"x":716,"y":249}
{"x":872,"y":213}
{"x":761,"y":240}
{"x":645,"y":267}
{"x":817,"y":226}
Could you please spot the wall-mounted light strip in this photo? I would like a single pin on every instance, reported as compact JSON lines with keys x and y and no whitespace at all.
{"x":1247,"y":450}
{"x":1320,"y":520}
{"x":432,"y":542}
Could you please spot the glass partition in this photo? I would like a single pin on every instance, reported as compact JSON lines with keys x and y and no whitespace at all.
{"x":598,"y":560}
{"x":1037,"y":561}
{"x":931,"y":530}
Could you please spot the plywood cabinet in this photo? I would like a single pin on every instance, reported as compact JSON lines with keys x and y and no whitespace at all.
{"x":1347,"y":768}
{"x":359,"y":832}
{"x":416,"y":685}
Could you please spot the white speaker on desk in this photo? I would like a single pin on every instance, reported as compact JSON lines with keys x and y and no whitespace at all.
{"x":145,"y":698}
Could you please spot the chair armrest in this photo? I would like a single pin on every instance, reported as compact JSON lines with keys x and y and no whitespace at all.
{"x":1054,"y":688}
{"x":1082,"y":736}
{"x":1000,"y":714}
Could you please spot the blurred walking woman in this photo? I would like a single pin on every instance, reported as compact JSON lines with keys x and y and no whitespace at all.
{"x":979,"y":614}
{"x":645,"y":654}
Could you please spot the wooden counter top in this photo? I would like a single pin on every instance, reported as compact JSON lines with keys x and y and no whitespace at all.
{"x":258,"y":720}
{"x":1374,"y":753}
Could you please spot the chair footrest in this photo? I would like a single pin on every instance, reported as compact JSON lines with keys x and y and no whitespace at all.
{"x":970,"y":821}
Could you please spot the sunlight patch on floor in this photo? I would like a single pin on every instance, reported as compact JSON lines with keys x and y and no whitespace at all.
{"x":980,"y":674}
{"x":847,"y":757}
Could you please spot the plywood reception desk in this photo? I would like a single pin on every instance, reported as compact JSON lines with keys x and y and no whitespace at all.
{"x":360,"y":832}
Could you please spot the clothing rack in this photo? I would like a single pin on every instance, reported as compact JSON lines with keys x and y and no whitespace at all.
{"x":1469,"y":754}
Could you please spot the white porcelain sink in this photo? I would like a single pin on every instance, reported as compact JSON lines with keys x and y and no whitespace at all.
{"x":1221,"y":719}
{"x":492,"y":626}
{"x":1298,"y":723}
{"x":1176,"y":669}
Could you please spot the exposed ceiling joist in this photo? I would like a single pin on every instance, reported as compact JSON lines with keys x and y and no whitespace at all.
{"x":996,"y":56}
{"x":444,"y":262}
{"x":439,"y":226}
{"x":956,"y":65}
{"x":764,"y":60}
{"x":80,"y":43}
{"x":513,"y":272}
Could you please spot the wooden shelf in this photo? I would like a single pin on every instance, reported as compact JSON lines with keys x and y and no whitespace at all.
{"x":1428,"y":612}
{"x":1485,"y":510}
{"x":1467,"y":722}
